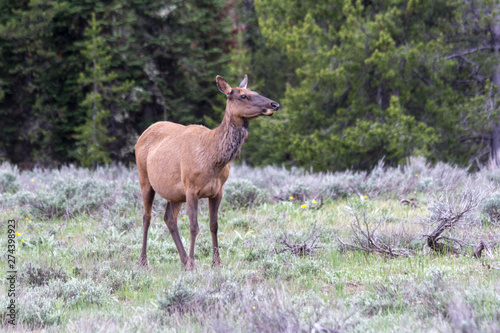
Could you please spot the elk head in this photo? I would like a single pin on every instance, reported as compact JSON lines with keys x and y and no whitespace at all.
{"x":244,"y":103}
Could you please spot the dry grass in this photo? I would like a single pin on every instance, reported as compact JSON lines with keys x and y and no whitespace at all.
{"x":284,"y":269}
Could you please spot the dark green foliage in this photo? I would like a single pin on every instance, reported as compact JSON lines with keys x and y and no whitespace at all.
{"x":92,"y":136}
{"x":71,"y":90}
{"x":369,"y":80}
{"x":358,"y":81}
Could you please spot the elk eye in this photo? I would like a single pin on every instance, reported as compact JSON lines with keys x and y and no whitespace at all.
{"x":243,"y":96}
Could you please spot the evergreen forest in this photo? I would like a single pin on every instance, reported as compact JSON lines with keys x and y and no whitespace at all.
{"x":359,"y":81}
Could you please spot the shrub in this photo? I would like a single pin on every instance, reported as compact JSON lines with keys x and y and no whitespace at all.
{"x":242,"y":194}
{"x":239,"y":222}
{"x":8,"y":182}
{"x":76,"y":292}
{"x":491,"y":207}
{"x":13,"y":200}
{"x":40,"y":309}
{"x":335,"y":187}
{"x":180,"y":298}
{"x":69,"y":197}
{"x":39,"y":275}
{"x":300,"y":191}
{"x":45,"y":305}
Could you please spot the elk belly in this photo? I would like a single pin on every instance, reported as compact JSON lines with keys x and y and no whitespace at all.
{"x":211,"y":189}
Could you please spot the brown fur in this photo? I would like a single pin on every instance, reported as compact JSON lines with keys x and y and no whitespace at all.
{"x":187,"y":163}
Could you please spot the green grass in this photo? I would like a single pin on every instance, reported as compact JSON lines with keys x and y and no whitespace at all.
{"x":79,"y":272}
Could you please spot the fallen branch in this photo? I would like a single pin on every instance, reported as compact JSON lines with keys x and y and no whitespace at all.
{"x":479,"y":249}
{"x":449,"y":215}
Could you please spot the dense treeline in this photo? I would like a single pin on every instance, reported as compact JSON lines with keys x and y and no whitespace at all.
{"x":81,"y":79}
{"x":358,"y":80}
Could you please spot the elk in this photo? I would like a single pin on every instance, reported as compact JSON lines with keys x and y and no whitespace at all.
{"x":188,"y":163}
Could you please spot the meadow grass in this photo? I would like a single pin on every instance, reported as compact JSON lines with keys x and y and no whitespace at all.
{"x":77,"y":254}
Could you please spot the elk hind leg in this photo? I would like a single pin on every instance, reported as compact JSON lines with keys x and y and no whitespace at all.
{"x":148,"y":195}
{"x":170,"y":219}
{"x":213,"y":209}
{"x":192,"y":209}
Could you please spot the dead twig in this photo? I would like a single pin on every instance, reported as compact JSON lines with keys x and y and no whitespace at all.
{"x":364,"y":239}
{"x":306,"y":247}
{"x":412,"y":202}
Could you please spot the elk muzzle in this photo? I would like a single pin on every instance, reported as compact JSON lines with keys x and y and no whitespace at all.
{"x":270,"y":111}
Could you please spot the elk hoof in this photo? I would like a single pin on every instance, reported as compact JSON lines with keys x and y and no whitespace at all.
{"x":216,"y":262}
{"x":189,"y":264}
{"x":143,"y":261}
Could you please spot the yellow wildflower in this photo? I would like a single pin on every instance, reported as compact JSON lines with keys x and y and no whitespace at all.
{"x":27,"y":219}
{"x":22,"y":240}
{"x":366,"y":197}
{"x":303,"y":206}
{"x":253,"y":307}
{"x":183,"y":217}
{"x":18,"y":233}
{"x":416,"y":175}
{"x":314,"y":201}
{"x":290,"y":197}
{"x":32,"y":179}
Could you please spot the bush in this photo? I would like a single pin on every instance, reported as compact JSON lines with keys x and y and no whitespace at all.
{"x":8,"y":182}
{"x":78,"y":292}
{"x":45,"y":305}
{"x":69,"y":197}
{"x":242,"y":194}
{"x":300,"y":191}
{"x":180,"y":298}
{"x":39,"y":309}
{"x":335,"y":187}
{"x":35,"y":275}
{"x":491,"y":207}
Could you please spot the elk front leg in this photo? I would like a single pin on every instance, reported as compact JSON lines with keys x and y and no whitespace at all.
{"x":213,"y":209}
{"x":192,"y":209}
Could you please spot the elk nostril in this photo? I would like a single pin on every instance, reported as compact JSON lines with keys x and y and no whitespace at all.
{"x":275,"y":105}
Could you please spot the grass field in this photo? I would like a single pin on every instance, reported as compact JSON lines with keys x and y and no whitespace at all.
{"x":282,"y":238}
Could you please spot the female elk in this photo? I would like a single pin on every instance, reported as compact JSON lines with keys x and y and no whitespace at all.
{"x":187,"y":163}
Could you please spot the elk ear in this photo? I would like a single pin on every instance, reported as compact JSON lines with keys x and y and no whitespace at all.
{"x":223,"y":86}
{"x":244,"y":83}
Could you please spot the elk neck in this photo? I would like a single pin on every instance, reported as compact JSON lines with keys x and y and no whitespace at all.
{"x":229,"y":137}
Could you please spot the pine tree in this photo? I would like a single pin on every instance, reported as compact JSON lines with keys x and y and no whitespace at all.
{"x":27,"y":55}
{"x":161,"y":61}
{"x":92,"y":137}
{"x":372,"y":81}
